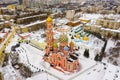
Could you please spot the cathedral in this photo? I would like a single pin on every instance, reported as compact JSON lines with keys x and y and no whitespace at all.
{"x":60,"y":54}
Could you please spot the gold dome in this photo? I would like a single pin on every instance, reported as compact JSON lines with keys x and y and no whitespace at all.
{"x":71,"y":43}
{"x":49,"y":19}
{"x":77,"y":36}
{"x":85,"y":38}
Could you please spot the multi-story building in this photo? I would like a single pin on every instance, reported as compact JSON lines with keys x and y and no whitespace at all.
{"x":118,"y":9}
{"x":105,"y":27}
{"x":108,"y":23}
{"x":26,"y":2}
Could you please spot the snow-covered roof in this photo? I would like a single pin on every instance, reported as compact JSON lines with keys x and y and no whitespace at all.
{"x":34,"y":23}
{"x":2,"y":35}
{"x":31,"y":16}
{"x":112,"y":30}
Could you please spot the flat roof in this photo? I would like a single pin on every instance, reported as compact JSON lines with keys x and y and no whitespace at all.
{"x":112,"y":30}
{"x":31,"y":24}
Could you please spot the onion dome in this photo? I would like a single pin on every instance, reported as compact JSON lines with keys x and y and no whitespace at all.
{"x":49,"y":19}
{"x":71,"y":43}
{"x":77,"y":36}
{"x":85,"y":38}
{"x":63,"y":38}
{"x":66,"y":48}
{"x":55,"y":45}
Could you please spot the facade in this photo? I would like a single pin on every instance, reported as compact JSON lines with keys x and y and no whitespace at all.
{"x":70,"y":14}
{"x":118,"y":10}
{"x":108,"y":23}
{"x":26,"y":2}
{"x":1,"y":76}
{"x":61,"y":57}
{"x":105,"y":27}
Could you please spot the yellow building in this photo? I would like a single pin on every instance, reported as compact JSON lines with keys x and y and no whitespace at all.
{"x":11,"y":7}
{"x":10,"y":36}
{"x":107,"y":23}
{"x":118,"y":9}
{"x":24,"y":30}
{"x":0,"y":11}
{"x":84,"y":20}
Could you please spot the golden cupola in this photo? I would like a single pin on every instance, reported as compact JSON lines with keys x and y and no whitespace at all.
{"x":85,"y":38}
{"x":71,"y":43}
{"x":49,"y":19}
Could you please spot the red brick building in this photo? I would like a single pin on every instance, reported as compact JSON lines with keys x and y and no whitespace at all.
{"x":61,"y":57}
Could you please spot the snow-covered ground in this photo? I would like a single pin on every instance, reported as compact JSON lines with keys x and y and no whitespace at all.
{"x":13,"y":42}
{"x":31,"y":57}
{"x":110,"y":44}
{"x":90,"y":70}
{"x":101,"y":72}
{"x":112,"y":73}
{"x":95,"y":73}
{"x":43,"y":76}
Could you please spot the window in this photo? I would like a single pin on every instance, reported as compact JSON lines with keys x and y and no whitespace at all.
{"x":69,"y":67}
{"x":59,"y":58}
{"x":64,"y":62}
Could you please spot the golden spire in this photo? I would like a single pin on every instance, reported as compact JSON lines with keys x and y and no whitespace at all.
{"x":49,"y":19}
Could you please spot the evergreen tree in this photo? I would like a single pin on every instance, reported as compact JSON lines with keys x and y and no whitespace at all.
{"x":96,"y":57}
{"x":72,"y":37}
{"x":86,"y":53}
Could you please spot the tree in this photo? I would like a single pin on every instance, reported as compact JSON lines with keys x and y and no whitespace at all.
{"x":86,"y":53}
{"x":96,"y":57}
{"x":72,"y":37}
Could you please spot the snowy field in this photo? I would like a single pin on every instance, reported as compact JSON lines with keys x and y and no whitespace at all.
{"x":95,"y":73}
{"x":90,"y":70}
{"x":112,"y":73}
{"x":32,"y":56}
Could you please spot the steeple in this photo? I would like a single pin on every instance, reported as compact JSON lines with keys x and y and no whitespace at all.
{"x":49,"y":22}
{"x":49,"y":33}
{"x":49,"y":19}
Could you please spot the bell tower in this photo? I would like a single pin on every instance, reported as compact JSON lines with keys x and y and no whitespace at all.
{"x":49,"y":33}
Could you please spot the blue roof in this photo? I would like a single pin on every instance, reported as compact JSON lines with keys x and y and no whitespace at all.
{"x":66,"y":48}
